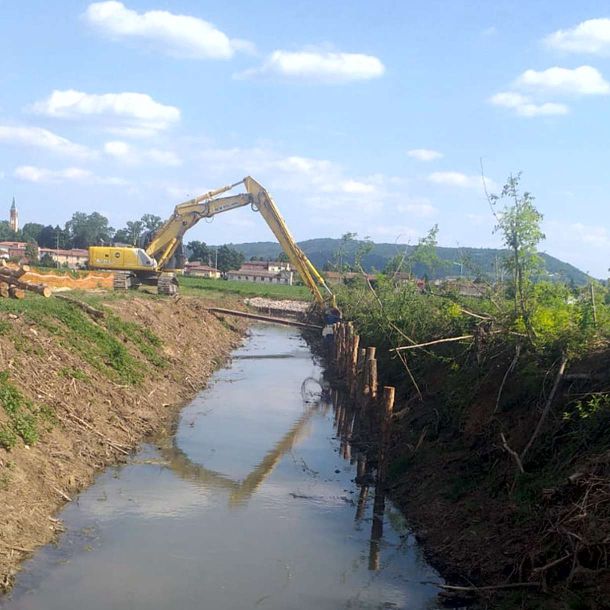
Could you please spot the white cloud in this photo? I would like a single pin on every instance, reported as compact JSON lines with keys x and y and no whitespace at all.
{"x":584,"y":80}
{"x":524,"y":106}
{"x":422,"y":208}
{"x":42,"y":138}
{"x":129,"y":154}
{"x":460,"y":180}
{"x":128,"y":113}
{"x":319,"y":67}
{"x":591,"y":36}
{"x":177,"y":35}
{"x":425,"y":154}
{"x":30,"y":173}
{"x":356,"y":187}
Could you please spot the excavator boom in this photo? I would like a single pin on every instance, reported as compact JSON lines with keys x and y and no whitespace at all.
{"x":264,"y":203}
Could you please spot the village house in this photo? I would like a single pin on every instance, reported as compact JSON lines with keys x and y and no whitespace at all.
{"x":73,"y":259}
{"x":271,"y":272}
{"x":198,"y":269}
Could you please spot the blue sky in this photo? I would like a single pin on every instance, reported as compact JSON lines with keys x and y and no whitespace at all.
{"x":369,"y":117}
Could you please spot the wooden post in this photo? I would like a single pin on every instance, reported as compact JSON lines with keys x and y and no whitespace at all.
{"x":370,"y":355}
{"x":373,"y":379}
{"x":353,"y":364}
{"x":361,"y":366}
{"x":349,"y":338}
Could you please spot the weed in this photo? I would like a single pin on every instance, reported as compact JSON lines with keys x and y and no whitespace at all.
{"x":8,"y":439}
{"x":23,"y":416}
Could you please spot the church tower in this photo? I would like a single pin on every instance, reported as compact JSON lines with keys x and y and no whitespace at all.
{"x":14,"y":218}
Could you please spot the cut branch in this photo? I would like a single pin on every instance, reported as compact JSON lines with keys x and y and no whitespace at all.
{"x":547,"y":406}
{"x":509,"y":370}
{"x":512,"y":452}
{"x":418,"y":345}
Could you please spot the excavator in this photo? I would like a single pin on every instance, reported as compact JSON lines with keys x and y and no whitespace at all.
{"x":159,"y":261}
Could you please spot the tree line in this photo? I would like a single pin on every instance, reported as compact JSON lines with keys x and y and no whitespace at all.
{"x":84,"y":230}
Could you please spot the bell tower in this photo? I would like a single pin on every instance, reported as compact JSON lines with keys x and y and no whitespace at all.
{"x":14,"y":217}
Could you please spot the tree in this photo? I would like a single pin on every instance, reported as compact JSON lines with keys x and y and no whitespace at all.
{"x":6,"y":233}
{"x":229,"y":258}
{"x":347,"y":239}
{"x":31,"y":252}
{"x":519,"y":223}
{"x":151,"y":222}
{"x":31,"y":232}
{"x":51,"y":237}
{"x":121,"y":237}
{"x":424,"y":253}
{"x":46,"y":260}
{"x":282,"y":257}
{"x":198,"y":251}
{"x":134,"y":230}
{"x":88,"y":229}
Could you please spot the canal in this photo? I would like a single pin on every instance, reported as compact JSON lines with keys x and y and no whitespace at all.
{"x":248,"y":504}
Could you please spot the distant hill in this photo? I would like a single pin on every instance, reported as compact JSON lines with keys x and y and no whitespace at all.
{"x":469,"y":262}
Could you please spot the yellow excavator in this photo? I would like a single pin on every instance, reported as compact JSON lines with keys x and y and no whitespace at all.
{"x":159,"y":262}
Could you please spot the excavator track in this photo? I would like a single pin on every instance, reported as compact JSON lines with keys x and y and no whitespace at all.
{"x":122,"y":280}
{"x":167,"y":284}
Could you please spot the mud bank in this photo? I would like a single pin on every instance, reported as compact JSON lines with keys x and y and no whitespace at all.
{"x":80,"y":393}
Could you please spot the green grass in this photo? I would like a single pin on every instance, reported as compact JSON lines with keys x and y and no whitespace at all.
{"x":23,"y":416}
{"x":195,"y":286}
{"x":103,"y":345}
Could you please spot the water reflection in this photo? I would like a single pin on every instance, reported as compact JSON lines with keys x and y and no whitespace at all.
{"x":240,"y":491}
{"x":345,"y":420}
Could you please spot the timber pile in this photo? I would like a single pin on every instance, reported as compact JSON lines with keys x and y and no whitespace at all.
{"x":13,"y":287}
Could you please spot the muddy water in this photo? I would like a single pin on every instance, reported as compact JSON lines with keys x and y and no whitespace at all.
{"x":249,"y":505}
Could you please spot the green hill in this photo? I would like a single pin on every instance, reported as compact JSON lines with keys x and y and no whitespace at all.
{"x":468,"y":262}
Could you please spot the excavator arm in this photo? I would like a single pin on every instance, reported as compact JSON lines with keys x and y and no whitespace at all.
{"x":263,"y":203}
{"x":169,"y":236}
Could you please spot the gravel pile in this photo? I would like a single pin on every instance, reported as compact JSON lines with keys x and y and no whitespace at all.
{"x":288,"y":306}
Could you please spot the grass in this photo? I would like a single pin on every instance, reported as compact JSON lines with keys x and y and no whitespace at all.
{"x":196,"y":286}
{"x":105,"y":345}
{"x":23,"y":416}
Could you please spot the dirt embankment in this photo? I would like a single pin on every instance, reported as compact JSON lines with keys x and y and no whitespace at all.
{"x":79,"y":393}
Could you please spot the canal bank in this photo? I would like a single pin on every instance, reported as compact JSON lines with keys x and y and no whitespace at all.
{"x":250,"y":504}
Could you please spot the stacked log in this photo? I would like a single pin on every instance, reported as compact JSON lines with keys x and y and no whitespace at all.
{"x":11,"y":286}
